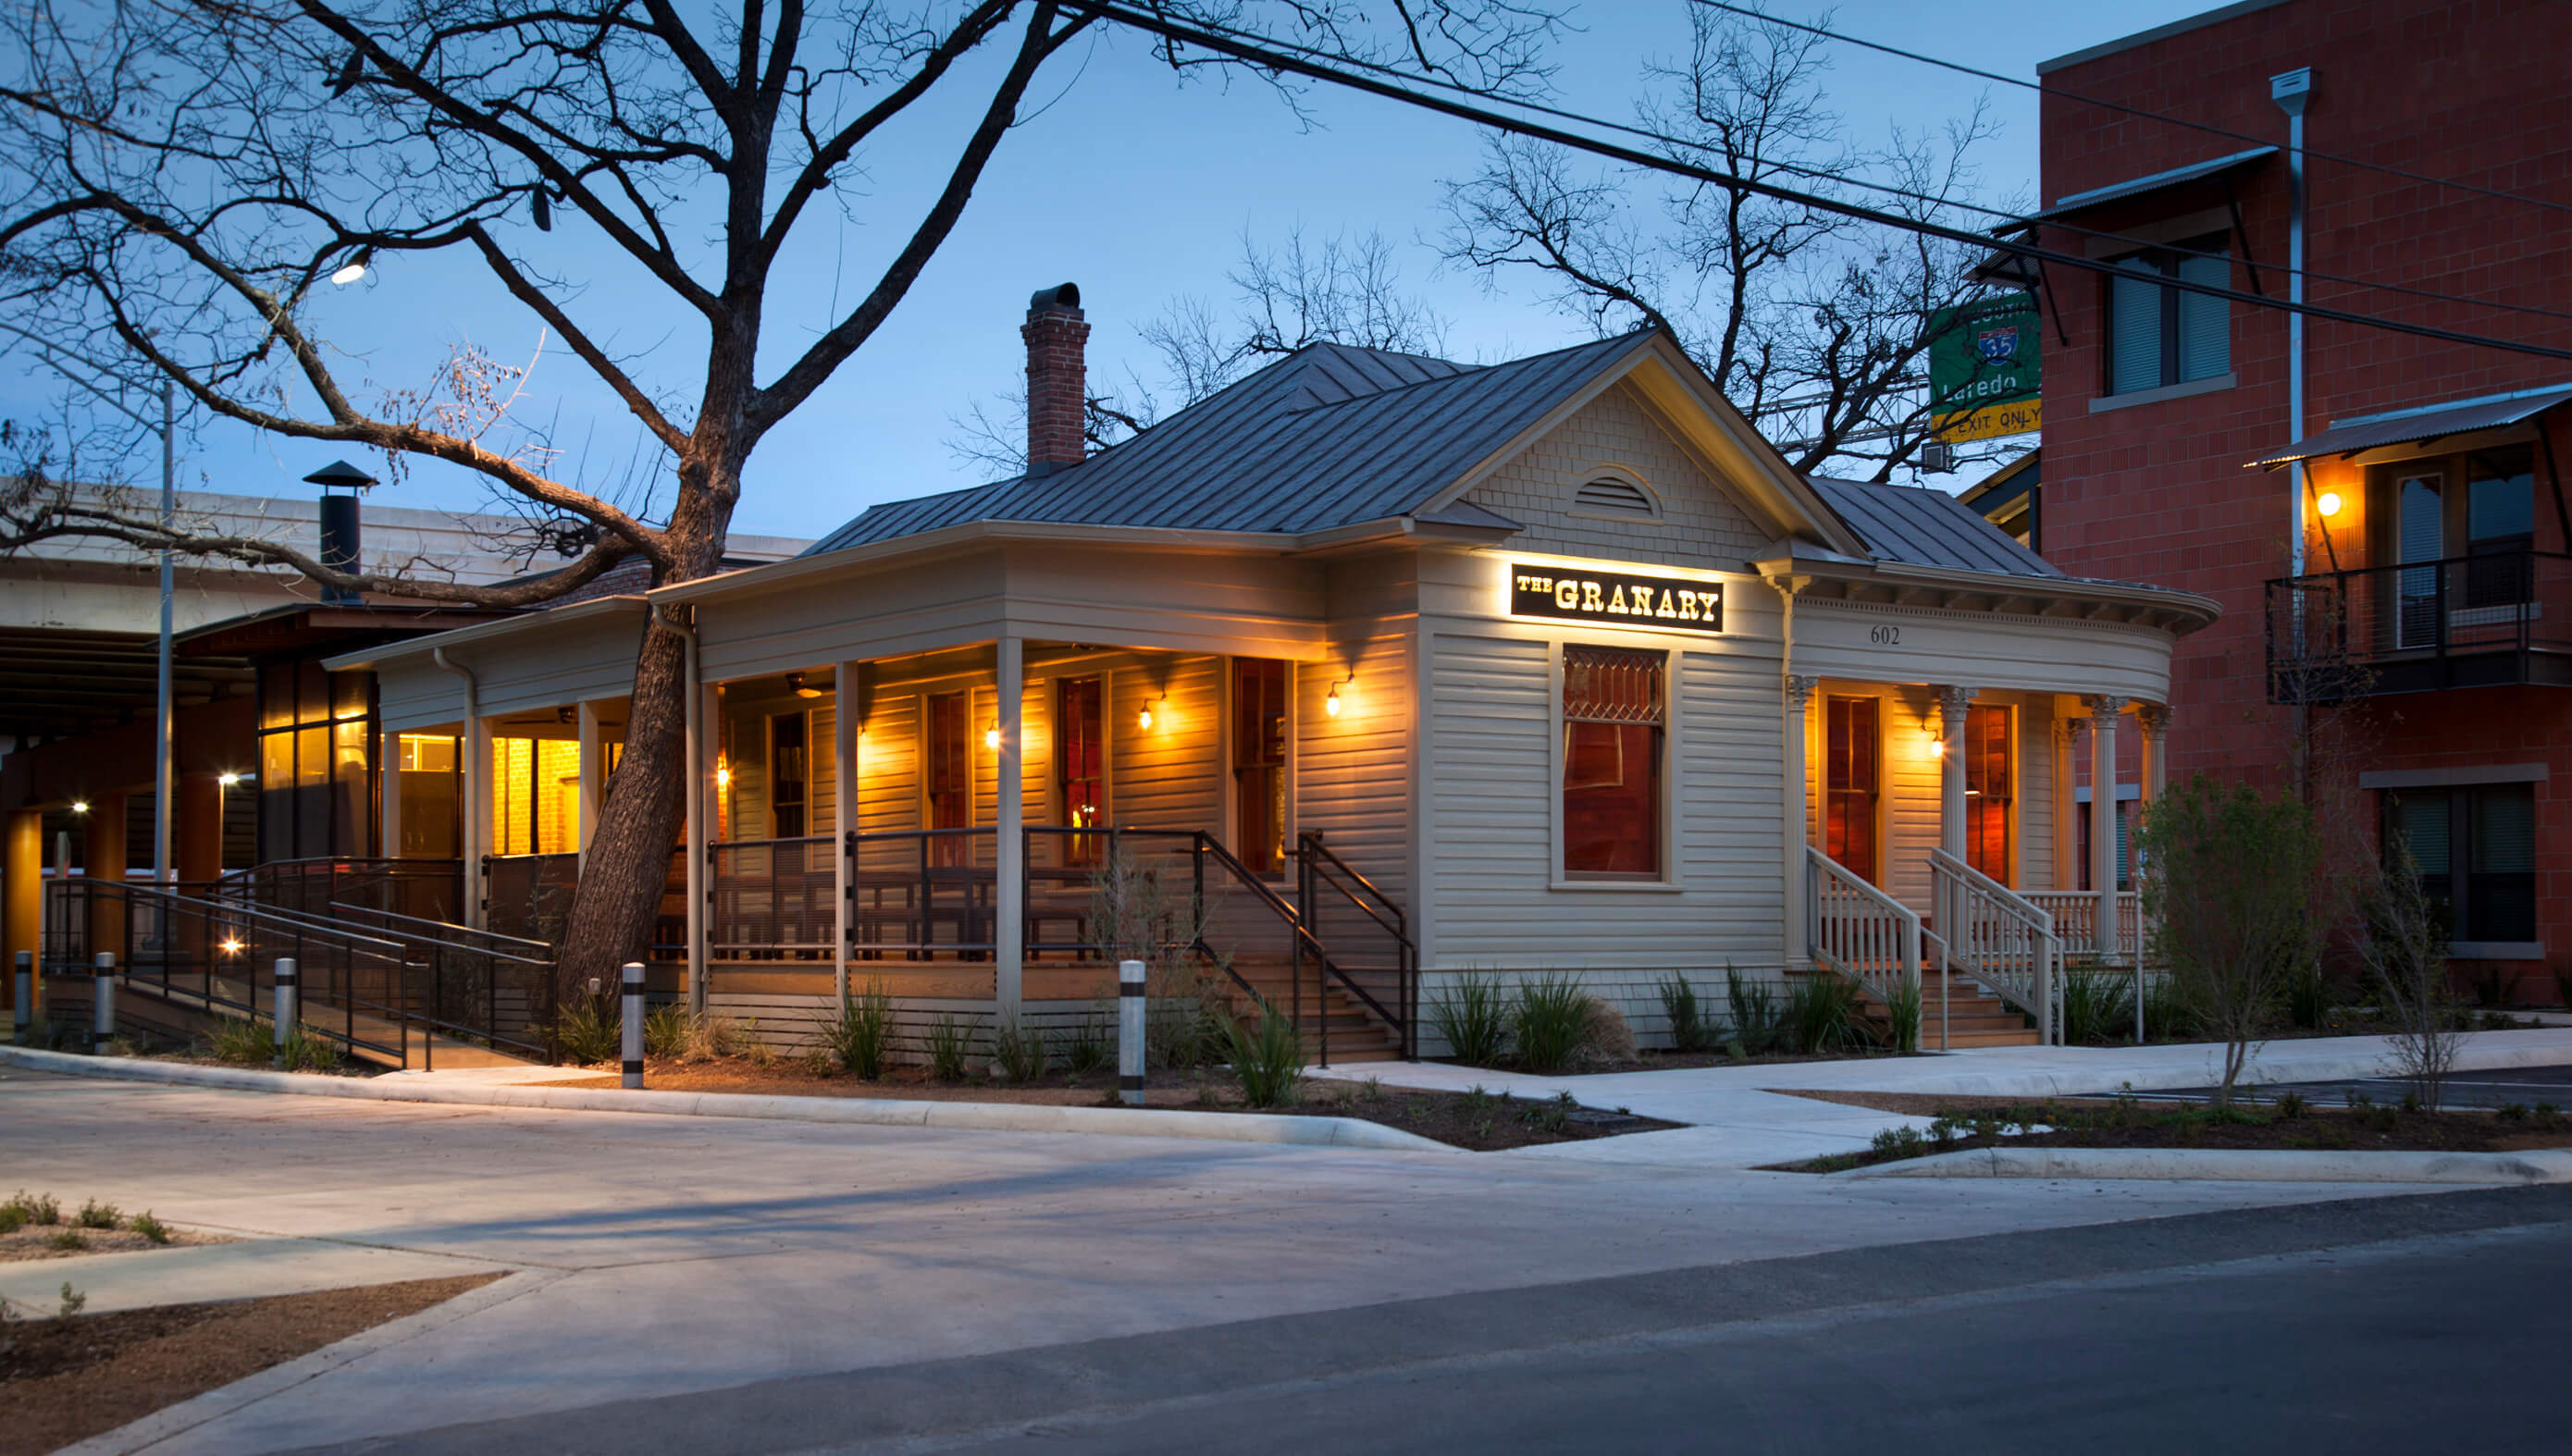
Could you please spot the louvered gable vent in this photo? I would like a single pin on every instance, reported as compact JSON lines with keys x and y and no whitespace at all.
{"x":1608,"y":495}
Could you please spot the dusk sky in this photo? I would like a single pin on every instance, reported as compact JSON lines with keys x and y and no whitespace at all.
{"x":1138,"y":190}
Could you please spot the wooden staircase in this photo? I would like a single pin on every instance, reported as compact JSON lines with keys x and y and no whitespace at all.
{"x":1975,"y":1016}
{"x":1356,"y":1035}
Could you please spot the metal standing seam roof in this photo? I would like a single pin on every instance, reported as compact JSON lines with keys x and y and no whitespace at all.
{"x":1330,"y":435}
{"x":2412,"y":426}
{"x":1918,"y":526}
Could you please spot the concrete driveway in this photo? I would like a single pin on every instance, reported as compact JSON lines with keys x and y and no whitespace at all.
{"x":672,"y":1254}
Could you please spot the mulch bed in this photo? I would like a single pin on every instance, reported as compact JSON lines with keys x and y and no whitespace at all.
{"x":1476,"y":1121}
{"x":2137,"y":1122}
{"x":65,"y":1379}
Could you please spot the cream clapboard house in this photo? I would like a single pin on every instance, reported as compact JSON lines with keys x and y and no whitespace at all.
{"x":1388,"y":669}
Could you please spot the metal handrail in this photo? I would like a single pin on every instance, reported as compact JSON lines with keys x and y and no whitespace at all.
{"x":1319,"y":863}
{"x":1309,"y":845}
{"x":1968,"y":902}
{"x":451,"y":934}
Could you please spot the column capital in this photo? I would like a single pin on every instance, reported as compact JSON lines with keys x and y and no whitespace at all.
{"x":2155,"y":719}
{"x":2102,"y":705}
{"x":1953,"y":703}
{"x":1799,"y":689}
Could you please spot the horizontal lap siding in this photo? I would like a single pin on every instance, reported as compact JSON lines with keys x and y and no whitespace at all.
{"x":1492,"y":778}
{"x":1352,"y":772}
{"x":887,"y":764}
{"x":1167,"y":776}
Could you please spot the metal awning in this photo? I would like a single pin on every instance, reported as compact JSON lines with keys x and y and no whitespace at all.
{"x":2138,"y":187}
{"x":2411,"y":427}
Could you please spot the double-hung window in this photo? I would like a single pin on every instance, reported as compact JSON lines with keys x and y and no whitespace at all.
{"x":2159,"y":334}
{"x":2474,"y":850}
{"x":1614,"y":720}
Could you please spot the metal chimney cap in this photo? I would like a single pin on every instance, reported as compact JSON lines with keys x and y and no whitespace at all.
{"x":1060,"y":295}
{"x":340,"y":472}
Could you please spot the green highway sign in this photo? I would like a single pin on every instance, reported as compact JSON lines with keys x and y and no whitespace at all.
{"x":1984,"y":375}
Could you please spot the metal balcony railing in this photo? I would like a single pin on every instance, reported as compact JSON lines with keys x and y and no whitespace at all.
{"x":2483,"y":620}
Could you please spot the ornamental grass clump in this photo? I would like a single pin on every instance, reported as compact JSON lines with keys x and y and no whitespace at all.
{"x":1019,"y":1050}
{"x":1902,"y":1016}
{"x":1756,"y":1024}
{"x":1820,"y":1014}
{"x":586,"y":1032}
{"x":1268,"y":1062}
{"x":1690,"y":1029}
{"x":1473,"y":1019}
{"x":2098,"y":1005}
{"x":1549,"y":1021}
{"x":1087,"y":1046}
{"x":860,"y":1035}
{"x":948,"y":1040}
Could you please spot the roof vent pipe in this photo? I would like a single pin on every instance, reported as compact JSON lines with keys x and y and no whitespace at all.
{"x":1058,"y":379}
{"x":341,"y":531}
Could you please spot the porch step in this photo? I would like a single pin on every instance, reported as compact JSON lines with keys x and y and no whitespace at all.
{"x":1355,"y":1033}
{"x":1975,"y":1016}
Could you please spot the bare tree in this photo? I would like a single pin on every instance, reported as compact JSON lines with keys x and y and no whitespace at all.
{"x":2404,"y":949}
{"x":1298,"y":293}
{"x":1818,"y":327}
{"x":180,"y":180}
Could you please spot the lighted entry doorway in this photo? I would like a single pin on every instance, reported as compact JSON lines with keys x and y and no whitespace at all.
{"x":1852,"y":784}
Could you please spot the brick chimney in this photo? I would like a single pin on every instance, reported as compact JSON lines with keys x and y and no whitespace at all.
{"x":1058,"y":379}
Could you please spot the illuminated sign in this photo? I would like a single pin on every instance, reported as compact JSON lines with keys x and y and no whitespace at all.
{"x":1616,"y":599}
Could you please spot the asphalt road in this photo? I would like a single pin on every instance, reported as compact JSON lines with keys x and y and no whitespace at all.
{"x":2392,"y":1325}
{"x":2525,"y":1086}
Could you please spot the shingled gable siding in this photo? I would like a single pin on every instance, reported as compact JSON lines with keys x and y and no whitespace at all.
{"x":1702,"y":525}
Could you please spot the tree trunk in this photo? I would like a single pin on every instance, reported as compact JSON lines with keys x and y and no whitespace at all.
{"x":628,"y":865}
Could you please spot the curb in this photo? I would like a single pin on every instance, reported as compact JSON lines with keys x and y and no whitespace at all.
{"x":1309,"y":1132}
{"x":2280,"y":1166}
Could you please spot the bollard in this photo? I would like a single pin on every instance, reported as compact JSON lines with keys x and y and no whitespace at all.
{"x":23,"y":996}
{"x":101,"y":1000}
{"x":634,"y":1025}
{"x":1129,"y":1032}
{"x":287,"y":1018}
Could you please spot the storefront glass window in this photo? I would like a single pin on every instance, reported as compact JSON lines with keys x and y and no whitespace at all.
{"x":1614,"y":723}
{"x":316,"y":736}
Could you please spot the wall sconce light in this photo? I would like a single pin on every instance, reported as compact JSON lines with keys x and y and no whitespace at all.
{"x":231,"y":946}
{"x":723,"y":774}
{"x":80,"y":806}
{"x":1144,"y":719}
{"x":2329,"y":504}
{"x":992,"y":739}
{"x":227,"y":779}
{"x":1331,"y":704}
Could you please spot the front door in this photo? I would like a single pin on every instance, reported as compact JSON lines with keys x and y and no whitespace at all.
{"x":2421,"y":520}
{"x":1080,"y":760}
{"x":1850,"y":783}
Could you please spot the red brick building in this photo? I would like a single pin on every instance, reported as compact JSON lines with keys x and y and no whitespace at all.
{"x":2397,"y":604}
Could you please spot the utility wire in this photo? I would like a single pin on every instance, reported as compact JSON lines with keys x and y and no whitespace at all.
{"x":1761,"y":15}
{"x":1818,"y":175}
{"x":1266,"y":55}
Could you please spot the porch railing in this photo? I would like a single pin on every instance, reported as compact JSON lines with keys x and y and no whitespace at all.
{"x":1855,"y":930}
{"x":528,"y":897}
{"x":772,"y":899}
{"x":1999,"y":938}
{"x":2076,"y":920}
{"x":1367,"y":933}
{"x":425,"y":889}
{"x":2464,"y":621}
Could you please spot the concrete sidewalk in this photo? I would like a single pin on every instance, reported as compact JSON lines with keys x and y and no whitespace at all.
{"x":211,"y":1272}
{"x":1738,"y":1117}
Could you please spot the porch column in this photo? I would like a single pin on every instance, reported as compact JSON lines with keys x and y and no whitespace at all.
{"x":476,"y":822}
{"x":2065,"y":742}
{"x":22,"y":890}
{"x":2152,"y":720}
{"x":2104,"y":713}
{"x":593,"y":778}
{"x":388,"y":797}
{"x":845,"y":713}
{"x":705,"y":714}
{"x":1010,"y":853}
{"x":1799,"y":691}
{"x":1954,"y":703}
{"x":104,"y":859}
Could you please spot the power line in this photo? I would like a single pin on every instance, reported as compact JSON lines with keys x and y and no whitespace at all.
{"x":1763,"y":16}
{"x":1265,"y":56}
{"x":1817,"y":175}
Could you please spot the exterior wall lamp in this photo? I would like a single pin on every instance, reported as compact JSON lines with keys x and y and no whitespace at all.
{"x":2329,"y":504}
{"x":1144,"y":719}
{"x":80,"y":806}
{"x":992,"y":739}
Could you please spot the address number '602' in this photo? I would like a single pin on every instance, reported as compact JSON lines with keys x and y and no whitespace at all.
{"x":1884,"y":637}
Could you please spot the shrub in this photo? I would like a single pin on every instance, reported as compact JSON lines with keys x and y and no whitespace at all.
{"x":304,"y":1052}
{"x":1902,"y":1016}
{"x":666,"y":1030}
{"x":947,"y":1042}
{"x":69,"y":1238}
{"x":1018,"y":1050}
{"x":1820,"y":1014}
{"x":1756,"y":1025}
{"x":150,"y":1227}
{"x":242,"y":1041}
{"x":95,"y":1215}
{"x":2405,"y":952}
{"x":586,"y":1032}
{"x":1899,"y":1143}
{"x":2291,"y":1105}
{"x":1554,"y":1114}
{"x":1606,"y":1039}
{"x":1689,"y":1030}
{"x":38,"y":1208}
{"x":1548,"y":1022}
{"x":2230,"y":903}
{"x":1269,"y":1063}
{"x":1087,"y":1046}
{"x":860,"y":1035}
{"x":2098,"y":1005}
